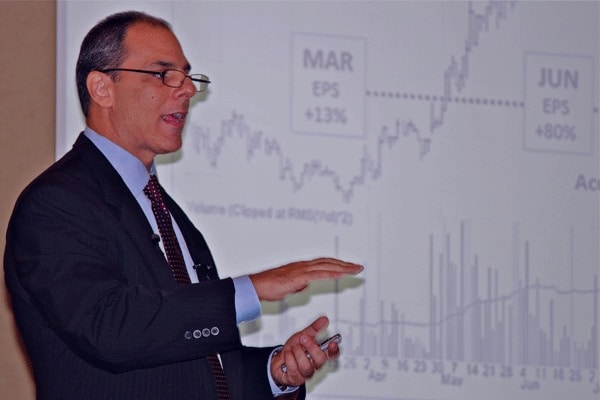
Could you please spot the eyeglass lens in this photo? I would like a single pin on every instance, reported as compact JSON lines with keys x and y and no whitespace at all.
{"x":175,"y":78}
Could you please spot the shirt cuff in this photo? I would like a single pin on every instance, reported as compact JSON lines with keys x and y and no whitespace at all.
{"x":247,"y":305}
{"x":274,"y":388}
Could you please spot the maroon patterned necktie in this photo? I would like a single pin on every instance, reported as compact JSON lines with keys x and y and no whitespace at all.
{"x":175,"y":259}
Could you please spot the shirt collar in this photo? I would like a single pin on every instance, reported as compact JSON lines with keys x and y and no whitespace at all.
{"x":132,"y":171}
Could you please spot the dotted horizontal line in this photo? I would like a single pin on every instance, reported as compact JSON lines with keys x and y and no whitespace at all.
{"x":459,"y":100}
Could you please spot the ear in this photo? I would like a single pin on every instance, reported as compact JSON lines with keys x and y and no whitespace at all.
{"x":100,"y":88}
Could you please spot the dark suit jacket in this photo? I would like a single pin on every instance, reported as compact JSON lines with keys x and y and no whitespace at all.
{"x":96,"y":303}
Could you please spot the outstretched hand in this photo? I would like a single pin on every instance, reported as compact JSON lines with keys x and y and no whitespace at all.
{"x":302,"y":355}
{"x":274,"y":284}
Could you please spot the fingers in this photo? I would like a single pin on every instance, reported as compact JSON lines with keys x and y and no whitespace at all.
{"x":335,"y":265}
{"x":302,"y":356}
{"x":313,"y":352}
{"x":333,"y":350}
{"x":274,"y":284}
{"x":300,"y":362}
{"x":304,"y":360}
{"x":285,"y":368}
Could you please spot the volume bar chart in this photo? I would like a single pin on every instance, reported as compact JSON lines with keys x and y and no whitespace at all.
{"x":472,"y":321}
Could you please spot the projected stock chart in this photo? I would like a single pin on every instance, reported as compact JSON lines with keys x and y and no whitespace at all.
{"x":450,"y":147}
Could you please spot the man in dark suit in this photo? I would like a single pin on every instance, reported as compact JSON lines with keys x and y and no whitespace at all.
{"x":96,"y":300}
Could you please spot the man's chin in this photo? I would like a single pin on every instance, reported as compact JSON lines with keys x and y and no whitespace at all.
{"x":173,"y":146}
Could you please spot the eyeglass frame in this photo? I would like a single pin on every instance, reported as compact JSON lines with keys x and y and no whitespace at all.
{"x":162,"y":74}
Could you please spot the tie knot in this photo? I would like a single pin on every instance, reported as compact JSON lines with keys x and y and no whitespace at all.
{"x":152,"y":190}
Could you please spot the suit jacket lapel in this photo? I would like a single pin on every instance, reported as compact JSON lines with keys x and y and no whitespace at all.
{"x":127,"y":211}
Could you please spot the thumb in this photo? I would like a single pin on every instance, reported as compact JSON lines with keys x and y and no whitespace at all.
{"x":319,"y":324}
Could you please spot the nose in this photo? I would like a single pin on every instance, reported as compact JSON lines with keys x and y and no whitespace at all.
{"x":186,"y":90}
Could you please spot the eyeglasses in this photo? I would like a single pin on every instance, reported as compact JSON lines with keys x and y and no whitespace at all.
{"x":170,"y":77}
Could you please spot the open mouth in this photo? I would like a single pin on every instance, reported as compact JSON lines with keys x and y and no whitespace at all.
{"x":175,"y":118}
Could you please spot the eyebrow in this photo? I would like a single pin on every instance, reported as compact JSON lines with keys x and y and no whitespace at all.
{"x":165,"y":64}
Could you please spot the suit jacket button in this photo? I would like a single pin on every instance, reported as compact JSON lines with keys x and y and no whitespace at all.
{"x":187,"y":335}
{"x":214,"y":330}
{"x":197,"y":334}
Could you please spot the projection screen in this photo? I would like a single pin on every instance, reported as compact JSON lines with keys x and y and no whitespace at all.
{"x":450,"y":147}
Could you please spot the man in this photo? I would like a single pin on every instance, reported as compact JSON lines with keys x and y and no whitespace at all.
{"x":110,"y":309}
